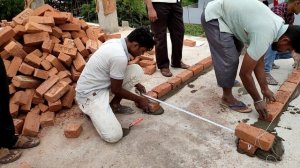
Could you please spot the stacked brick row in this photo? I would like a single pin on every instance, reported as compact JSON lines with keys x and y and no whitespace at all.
{"x":44,"y":52}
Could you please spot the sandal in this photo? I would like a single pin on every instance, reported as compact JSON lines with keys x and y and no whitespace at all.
{"x":166,"y":72}
{"x":25,"y":142}
{"x":8,"y":156}
{"x":270,"y":79}
{"x":238,"y":107}
{"x":122,"y":109}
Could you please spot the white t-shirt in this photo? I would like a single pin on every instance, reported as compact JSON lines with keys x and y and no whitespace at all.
{"x":166,"y":1}
{"x":109,"y":61}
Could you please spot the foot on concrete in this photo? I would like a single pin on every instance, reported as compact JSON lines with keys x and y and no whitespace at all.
{"x":182,"y":66}
{"x":274,"y":66}
{"x":25,"y":142}
{"x":8,"y":156}
{"x":237,"y":84}
{"x":166,"y":72}
{"x":119,"y":109}
{"x":237,"y":106}
{"x":270,"y":79}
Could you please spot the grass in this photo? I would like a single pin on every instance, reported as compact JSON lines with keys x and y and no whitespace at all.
{"x":188,"y":2}
{"x":193,"y":29}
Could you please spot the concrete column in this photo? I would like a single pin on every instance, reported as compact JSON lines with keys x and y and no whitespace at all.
{"x":109,"y":23}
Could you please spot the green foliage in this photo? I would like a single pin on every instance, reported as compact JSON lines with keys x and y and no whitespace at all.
{"x":88,"y":12}
{"x":10,"y":8}
{"x":188,"y":2}
{"x":193,"y":29}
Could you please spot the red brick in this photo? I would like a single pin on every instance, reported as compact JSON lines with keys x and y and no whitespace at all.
{"x":93,"y":33}
{"x":55,"y":39}
{"x":149,"y":70}
{"x":6,"y":34}
{"x":246,"y":147}
{"x":70,"y":27}
{"x":11,"y":88}
{"x":72,"y":130}
{"x":175,"y":82}
{"x":41,"y":74}
{"x":75,"y":74}
{"x":274,"y":109}
{"x":83,"y":24}
{"x":47,"y":119}
{"x":55,"y":106}
{"x":15,"y":50}
{"x":57,"y":32}
{"x":18,"y":123}
{"x":46,"y":64}
{"x":67,"y":80}
{"x":102,"y":37}
{"x":22,"y":17}
{"x":67,"y":99}
{"x":93,"y":45}
{"x":32,"y":27}
{"x":162,"y":89}
{"x":185,"y":75}
{"x":197,"y":69}
{"x":78,"y":34}
{"x":29,"y":95}
{"x":66,"y":59}
{"x":13,"y":109}
{"x":288,"y":87}
{"x":37,"y":99}
{"x":147,"y":57}
{"x":14,"y":66}
{"x":152,"y":94}
{"x":46,"y":20}
{"x":59,"y":17}
{"x":153,"y":106}
{"x":69,"y":43}
{"x":33,"y":60}
{"x":26,"y":82}
{"x":26,"y":69}
{"x":256,"y":136}
{"x":144,"y":63}
{"x":81,"y":48}
{"x":46,"y":85}
{"x":42,"y":9}
{"x":4,"y":55}
{"x":19,"y":30}
{"x":188,"y":42}
{"x":43,"y":107}
{"x":19,"y":98}
{"x":206,"y":62}
{"x":32,"y":125}
{"x":84,"y":40}
{"x":294,"y":77}
{"x":282,"y":97}
{"x":57,"y":91}
{"x":79,"y":62}
{"x":47,"y":46}
{"x":53,"y":71}
{"x":112,"y":36}
{"x":136,"y":60}
{"x":35,"y":38}
{"x":37,"y":52}
{"x":55,"y":62}
{"x":60,"y":48}
{"x":64,"y":74}
{"x":35,"y":110}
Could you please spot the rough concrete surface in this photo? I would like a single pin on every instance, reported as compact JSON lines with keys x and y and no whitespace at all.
{"x":173,"y":139}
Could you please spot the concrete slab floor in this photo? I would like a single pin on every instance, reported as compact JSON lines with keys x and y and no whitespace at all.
{"x":173,"y":139}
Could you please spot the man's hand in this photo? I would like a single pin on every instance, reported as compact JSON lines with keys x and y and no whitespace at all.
{"x":143,"y":103}
{"x":140,"y":88}
{"x":152,"y":15}
{"x":261,"y":108}
{"x":268,"y":96}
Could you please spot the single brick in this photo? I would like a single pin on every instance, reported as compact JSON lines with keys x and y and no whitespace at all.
{"x":282,"y":96}
{"x":67,"y":80}
{"x":175,"y":82}
{"x":47,"y":46}
{"x":12,"y":89}
{"x":152,"y":94}
{"x":47,"y":119}
{"x":70,"y":27}
{"x":15,"y":50}
{"x":57,"y":32}
{"x":59,"y":17}
{"x":64,"y":74}
{"x":162,"y":89}
{"x":23,"y":17}
{"x":32,"y":27}
{"x":13,"y":109}
{"x":26,"y":82}
{"x":35,"y":110}
{"x":19,"y":98}
{"x":154,"y":106}
{"x":33,"y":60}
{"x":55,"y":62}
{"x":84,"y":40}
{"x":46,"y":85}
{"x":6,"y":64}
{"x":32,"y":125}
{"x":43,"y":107}
{"x":46,"y":64}
{"x":53,"y":71}
{"x":37,"y":99}
{"x":46,"y":20}
{"x":75,"y":74}
{"x":55,"y":39}
{"x":6,"y":34}
{"x":294,"y":77}
{"x":206,"y":62}
{"x":55,"y":106}
{"x":26,"y":69}
{"x":83,"y":24}
{"x":42,"y":9}
{"x":37,"y":52}
{"x":188,"y":42}
{"x":35,"y":38}
{"x":4,"y":55}
{"x":197,"y":69}
{"x":81,"y":48}
{"x":67,"y":99}
{"x":29,"y":96}
{"x":57,"y":91}
{"x":66,"y":35}
{"x":93,"y":45}
{"x":41,"y":74}
{"x":18,"y":123}
{"x":185,"y":75}
{"x":93,"y":33}
{"x":149,"y":70}
{"x":274,"y":109}
{"x":79,"y":63}
{"x":66,"y":59}
{"x":78,"y":34}
{"x":136,"y":60}
{"x":72,"y":130}
{"x":144,"y":63}
{"x":288,"y":87}
{"x":246,"y":147}
{"x":69,"y":43}
{"x":19,"y":30}
{"x":14,"y":66}
{"x":256,"y":136}
{"x":61,"y":48}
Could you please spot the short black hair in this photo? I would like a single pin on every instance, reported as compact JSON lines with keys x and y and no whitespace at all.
{"x":293,"y":33}
{"x":143,"y":37}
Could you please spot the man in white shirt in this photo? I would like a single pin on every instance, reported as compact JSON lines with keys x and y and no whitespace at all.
{"x":165,"y":14}
{"x":108,"y":70}
{"x":228,"y":24}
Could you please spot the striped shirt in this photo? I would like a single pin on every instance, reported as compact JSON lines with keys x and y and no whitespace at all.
{"x":281,"y":10}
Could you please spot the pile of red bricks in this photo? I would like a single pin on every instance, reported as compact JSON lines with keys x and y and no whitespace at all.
{"x":44,"y":52}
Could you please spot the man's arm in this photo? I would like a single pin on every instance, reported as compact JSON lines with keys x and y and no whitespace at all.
{"x":152,"y":15}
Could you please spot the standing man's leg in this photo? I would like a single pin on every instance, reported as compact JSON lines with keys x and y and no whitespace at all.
{"x":225,"y":56}
{"x":270,"y":56}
